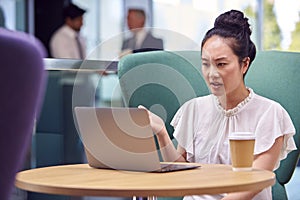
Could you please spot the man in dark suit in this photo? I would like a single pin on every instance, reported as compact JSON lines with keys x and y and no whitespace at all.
{"x":141,"y":40}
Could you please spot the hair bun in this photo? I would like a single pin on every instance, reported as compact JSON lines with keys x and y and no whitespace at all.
{"x":234,"y":21}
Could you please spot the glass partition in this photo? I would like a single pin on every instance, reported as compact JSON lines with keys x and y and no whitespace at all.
{"x":273,"y":27}
{"x":276,"y":23}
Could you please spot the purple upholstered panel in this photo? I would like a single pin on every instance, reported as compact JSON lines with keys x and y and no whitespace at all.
{"x":22,"y":81}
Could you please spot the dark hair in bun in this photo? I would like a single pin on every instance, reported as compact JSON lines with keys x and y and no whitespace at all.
{"x":233,"y":25}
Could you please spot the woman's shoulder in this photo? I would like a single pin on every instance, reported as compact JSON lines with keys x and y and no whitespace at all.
{"x":265,"y":101}
{"x":198,"y":101}
{"x":265,"y":104}
{"x":191,"y":109}
{"x":201,"y":99}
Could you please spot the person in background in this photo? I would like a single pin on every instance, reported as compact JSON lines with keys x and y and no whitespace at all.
{"x":66,"y":42}
{"x":201,"y":125}
{"x":142,"y":39}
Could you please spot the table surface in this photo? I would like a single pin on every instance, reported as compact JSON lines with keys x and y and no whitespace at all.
{"x":82,"y":180}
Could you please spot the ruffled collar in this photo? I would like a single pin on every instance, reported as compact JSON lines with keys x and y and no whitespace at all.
{"x":236,"y":109}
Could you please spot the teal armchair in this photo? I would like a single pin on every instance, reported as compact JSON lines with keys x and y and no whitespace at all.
{"x":162,"y":81}
{"x":275,"y":74}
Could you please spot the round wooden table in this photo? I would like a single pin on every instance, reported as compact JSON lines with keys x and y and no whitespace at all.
{"x":82,"y":180}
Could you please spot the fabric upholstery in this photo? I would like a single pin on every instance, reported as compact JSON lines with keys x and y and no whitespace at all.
{"x":279,"y":192}
{"x":21,"y":84}
{"x":275,"y":75}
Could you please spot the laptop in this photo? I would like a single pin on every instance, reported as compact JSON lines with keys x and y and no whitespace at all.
{"x":122,"y":139}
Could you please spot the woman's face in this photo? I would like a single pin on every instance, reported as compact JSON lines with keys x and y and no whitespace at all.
{"x":221,"y":68}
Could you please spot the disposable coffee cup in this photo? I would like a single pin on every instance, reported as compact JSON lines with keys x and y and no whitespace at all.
{"x":241,"y":150}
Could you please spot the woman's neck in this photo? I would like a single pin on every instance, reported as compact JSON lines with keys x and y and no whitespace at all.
{"x":233,"y":98}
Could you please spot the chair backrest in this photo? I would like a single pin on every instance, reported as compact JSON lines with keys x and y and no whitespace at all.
{"x":21,"y":84}
{"x":161,"y":81}
{"x":275,"y":75}
{"x":158,"y":80}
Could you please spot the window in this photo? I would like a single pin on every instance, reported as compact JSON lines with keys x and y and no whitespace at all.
{"x":273,"y":27}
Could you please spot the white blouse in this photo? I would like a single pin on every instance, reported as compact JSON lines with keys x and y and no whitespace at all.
{"x":63,"y":44}
{"x":202,"y":127}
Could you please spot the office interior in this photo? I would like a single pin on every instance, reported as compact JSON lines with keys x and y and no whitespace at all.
{"x":180,"y":23}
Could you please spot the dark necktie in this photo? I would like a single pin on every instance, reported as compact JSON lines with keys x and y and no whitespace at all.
{"x":132,"y":42}
{"x":79,"y":46}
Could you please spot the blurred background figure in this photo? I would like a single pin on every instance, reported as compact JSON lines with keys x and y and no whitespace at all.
{"x":141,"y":39}
{"x":67,"y":42}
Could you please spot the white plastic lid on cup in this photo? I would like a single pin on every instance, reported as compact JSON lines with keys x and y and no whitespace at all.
{"x":241,"y":136}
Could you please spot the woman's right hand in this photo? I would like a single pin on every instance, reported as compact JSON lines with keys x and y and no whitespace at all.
{"x":168,"y":151}
{"x":156,"y":123}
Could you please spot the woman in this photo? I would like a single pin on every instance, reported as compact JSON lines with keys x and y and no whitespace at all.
{"x":202,"y":125}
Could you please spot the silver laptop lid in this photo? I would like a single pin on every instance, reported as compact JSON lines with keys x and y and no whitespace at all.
{"x":117,"y":138}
